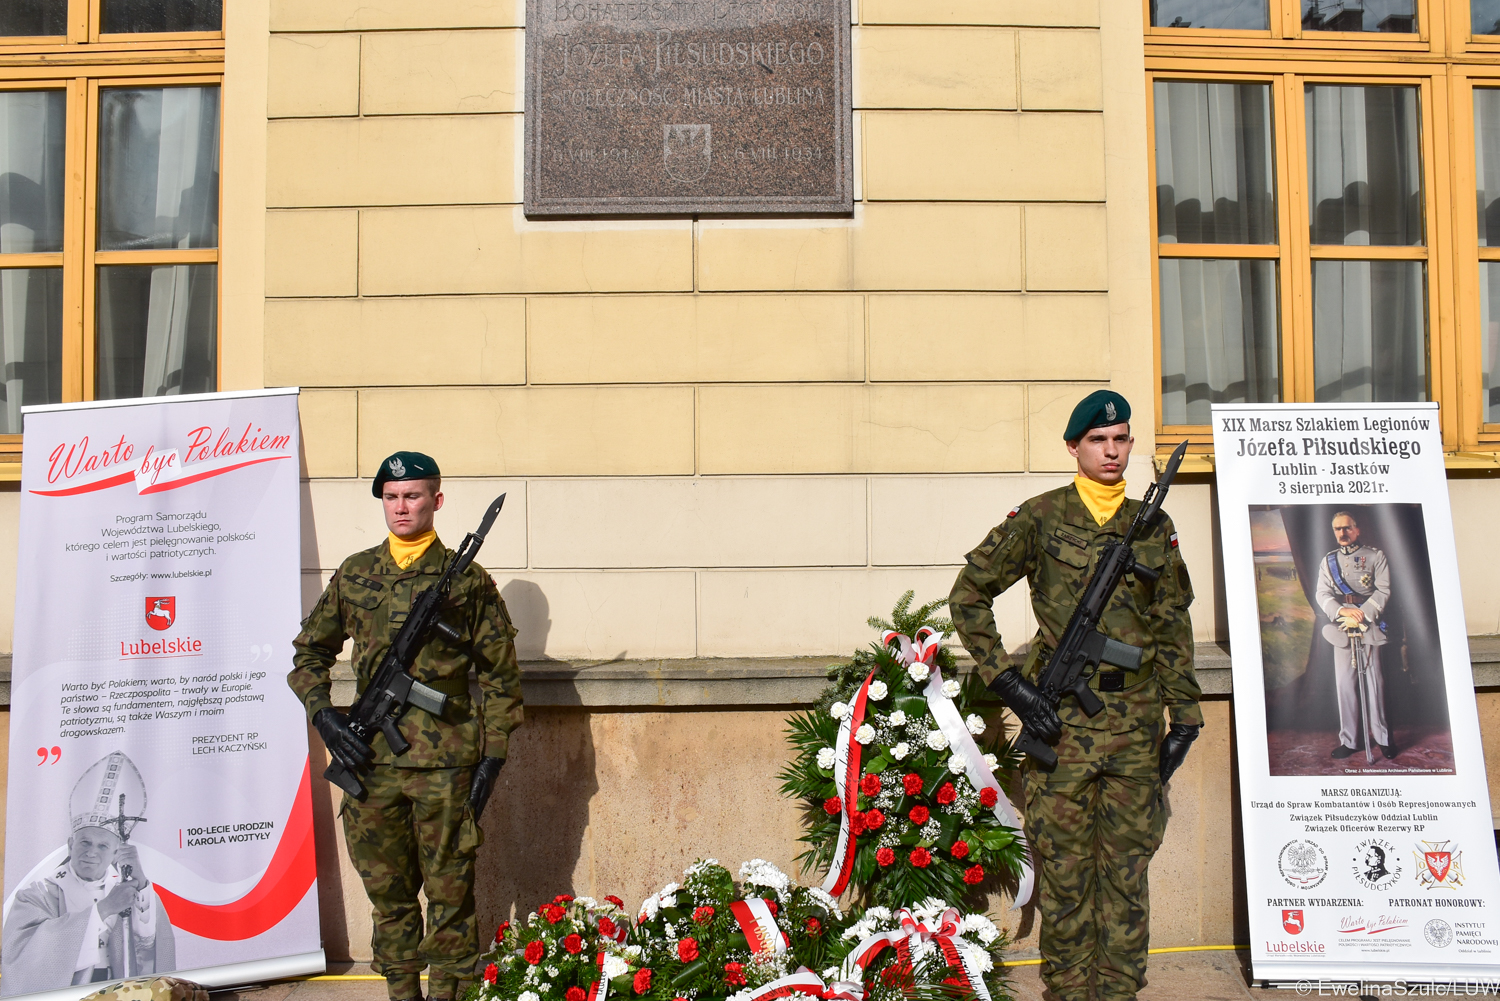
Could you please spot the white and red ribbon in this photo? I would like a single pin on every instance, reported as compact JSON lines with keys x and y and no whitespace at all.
{"x":961,"y":954}
{"x":599,"y":989}
{"x":806,"y":982}
{"x":846,"y":765}
{"x":759,"y":925}
{"x":923,"y":650}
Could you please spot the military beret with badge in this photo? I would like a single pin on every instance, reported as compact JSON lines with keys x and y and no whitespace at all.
{"x":1100,"y":409}
{"x":405,"y":466}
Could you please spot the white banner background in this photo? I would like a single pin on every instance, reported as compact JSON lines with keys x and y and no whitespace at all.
{"x":192,"y":499}
{"x":1322,"y":904}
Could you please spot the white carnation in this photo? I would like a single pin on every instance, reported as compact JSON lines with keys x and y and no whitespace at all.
{"x":980,"y":926}
{"x":991,"y":762}
{"x":957,"y":764}
{"x":826,"y":757}
{"x":529,"y":996}
{"x":670,"y":900}
{"x":918,"y":672}
{"x":633,"y":951}
{"x":937,"y":740}
{"x":865,"y":733}
{"x":838,"y":710}
{"x":975,"y":723}
{"x":614,"y":966}
{"x":759,"y":872}
{"x":878,"y":690}
{"x":900,"y":751}
{"x":649,"y":908}
{"x":898,"y":718}
{"x":950,"y":689}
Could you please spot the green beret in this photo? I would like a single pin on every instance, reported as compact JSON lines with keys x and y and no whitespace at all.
{"x":405,"y":466}
{"x":1099,"y":409}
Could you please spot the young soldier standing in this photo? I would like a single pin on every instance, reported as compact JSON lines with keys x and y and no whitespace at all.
{"x":418,"y":827}
{"x":1096,"y":819}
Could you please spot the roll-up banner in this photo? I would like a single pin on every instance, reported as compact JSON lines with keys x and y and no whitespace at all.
{"x":158,"y":813}
{"x":1369,"y":850}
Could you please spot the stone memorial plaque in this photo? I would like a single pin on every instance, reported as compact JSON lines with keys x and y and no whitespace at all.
{"x":671,"y":107}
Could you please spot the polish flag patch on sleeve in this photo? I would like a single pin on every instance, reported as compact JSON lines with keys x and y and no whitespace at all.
{"x":1172,"y":540}
{"x":1017,"y":510}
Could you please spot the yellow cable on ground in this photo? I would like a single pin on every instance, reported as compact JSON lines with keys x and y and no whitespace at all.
{"x":1154,"y":952}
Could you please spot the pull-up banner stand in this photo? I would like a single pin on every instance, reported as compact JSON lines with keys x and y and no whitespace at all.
{"x":1369,"y":853}
{"x":158,"y":813}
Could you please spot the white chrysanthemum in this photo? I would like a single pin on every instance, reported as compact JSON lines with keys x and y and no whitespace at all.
{"x":991,"y":762}
{"x":975,"y":723}
{"x":865,"y":733}
{"x":930,"y":908}
{"x":759,"y":872}
{"x":957,"y":764}
{"x":950,"y":689}
{"x":633,"y":951}
{"x":881,"y":914}
{"x":937,"y":740}
{"x":826,"y":757}
{"x":981,"y":927}
{"x":918,"y":672}
{"x":900,"y":751}
{"x":529,"y":996}
{"x":898,"y":718}
{"x":838,"y":710}
{"x":986,"y":963}
{"x":614,"y":966}
{"x":701,"y":866}
{"x":589,"y":902}
{"x":669,"y":900}
{"x":831,"y":973}
{"x":878,"y":690}
{"x":821,"y":896}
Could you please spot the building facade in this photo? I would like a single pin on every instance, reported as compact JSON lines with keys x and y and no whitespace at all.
{"x":727,"y":441}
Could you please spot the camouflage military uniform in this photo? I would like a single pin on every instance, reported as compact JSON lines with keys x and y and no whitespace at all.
{"x":1095,"y":821}
{"x":415,"y":829}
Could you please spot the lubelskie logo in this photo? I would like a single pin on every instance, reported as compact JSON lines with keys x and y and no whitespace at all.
{"x":161,"y":613}
{"x":184,"y":646}
{"x":1299,"y":947}
{"x":82,"y":467}
{"x":1291,"y":920}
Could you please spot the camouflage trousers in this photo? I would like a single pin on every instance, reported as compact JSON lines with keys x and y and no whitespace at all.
{"x":415,"y":831}
{"x":1094,"y":822}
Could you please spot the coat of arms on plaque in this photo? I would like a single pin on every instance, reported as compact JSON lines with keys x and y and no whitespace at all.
{"x":687,"y":151}
{"x":1440,"y":866}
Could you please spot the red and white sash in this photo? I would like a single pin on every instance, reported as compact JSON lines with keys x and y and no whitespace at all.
{"x":846,"y":766}
{"x":758,"y":924}
{"x":961,"y":954}
{"x":808,"y":983}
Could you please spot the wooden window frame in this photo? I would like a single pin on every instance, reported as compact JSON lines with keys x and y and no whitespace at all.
{"x":82,"y":63}
{"x":1445,"y":61}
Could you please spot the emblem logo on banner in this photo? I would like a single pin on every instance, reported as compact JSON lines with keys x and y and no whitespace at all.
{"x":1302,"y":863}
{"x":1291,"y":920}
{"x":161,"y":612}
{"x":1439,"y":933}
{"x":1374,"y":864}
{"x":1441,"y":867}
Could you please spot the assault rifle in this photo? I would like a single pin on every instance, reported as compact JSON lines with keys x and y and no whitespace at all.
{"x":1083,"y":647}
{"x":384,"y":701}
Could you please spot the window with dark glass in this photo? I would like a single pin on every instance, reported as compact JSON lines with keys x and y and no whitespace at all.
{"x":129,"y":16}
{"x":33,"y":17}
{"x":1360,"y":15}
{"x":1487,"y":205}
{"x":1245,"y":15}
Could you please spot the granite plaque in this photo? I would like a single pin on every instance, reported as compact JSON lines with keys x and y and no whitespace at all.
{"x":671,"y":107}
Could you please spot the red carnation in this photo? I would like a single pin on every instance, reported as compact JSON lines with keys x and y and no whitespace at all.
{"x":562,"y":898}
{"x":535,"y":951}
{"x":553,"y":913}
{"x":491,"y":973}
{"x":857,"y":823}
{"x":921,"y":858}
{"x":873,"y":819}
{"x":832,"y":805}
{"x":703,"y":915}
{"x":616,"y":901}
{"x":734,"y":974}
{"x":912,"y":783}
{"x":974,"y":875}
{"x":607,"y":928}
{"x":953,"y":982}
{"x":500,"y":932}
{"x":642,"y":981}
{"x":870,"y":784}
{"x":885,"y":856}
{"x":575,"y":994}
{"x":960,"y":849}
{"x":687,"y":949}
{"x":988,"y":797}
{"x":919,"y":815}
{"x":947,"y":794}
{"x":573,"y":943}
{"x":815,"y":927}
{"x":772,"y":907}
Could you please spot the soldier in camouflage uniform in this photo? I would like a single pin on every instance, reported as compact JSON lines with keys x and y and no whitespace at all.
{"x":1096,"y":819}
{"x":418,"y":827}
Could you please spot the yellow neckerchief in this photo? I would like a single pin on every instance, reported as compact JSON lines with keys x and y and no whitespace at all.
{"x":1101,"y":499}
{"x":406,"y":551}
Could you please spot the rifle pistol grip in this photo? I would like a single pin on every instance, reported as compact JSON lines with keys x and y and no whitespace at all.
{"x":393,"y":737}
{"x":1087,"y":700}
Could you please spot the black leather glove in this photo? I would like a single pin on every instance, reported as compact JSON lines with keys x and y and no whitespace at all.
{"x":345,"y":748}
{"x":1174,"y":747}
{"x":1029,"y":704}
{"x":483,"y":783}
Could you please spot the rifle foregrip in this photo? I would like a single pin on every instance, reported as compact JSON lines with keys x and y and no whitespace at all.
{"x":345,"y":780}
{"x":1037,"y":748}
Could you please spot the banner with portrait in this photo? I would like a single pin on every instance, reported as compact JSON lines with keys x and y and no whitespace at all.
{"x":1368,"y":845}
{"x":158,"y":812}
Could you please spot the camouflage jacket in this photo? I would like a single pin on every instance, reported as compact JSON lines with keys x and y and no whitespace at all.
{"x":1053,"y":541}
{"x":368,"y":599}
